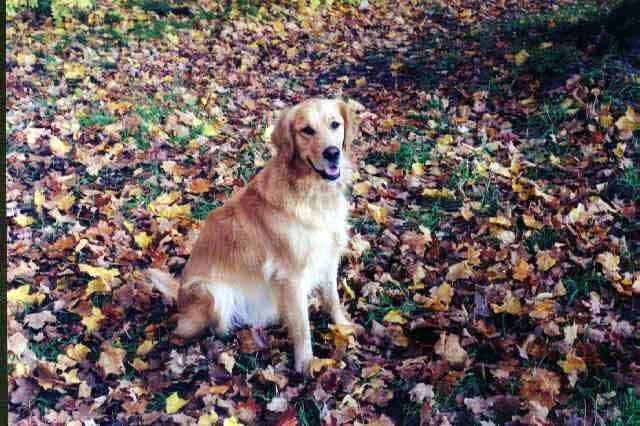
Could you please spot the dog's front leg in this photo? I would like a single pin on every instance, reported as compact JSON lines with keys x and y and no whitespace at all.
{"x":330,"y":297}
{"x":294,"y":311}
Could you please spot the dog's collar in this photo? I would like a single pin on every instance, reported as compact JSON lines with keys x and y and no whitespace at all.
{"x":322,"y":173}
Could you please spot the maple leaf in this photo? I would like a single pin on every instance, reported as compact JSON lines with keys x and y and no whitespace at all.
{"x":318,"y":364}
{"x":395,"y":317}
{"x":545,"y":261}
{"x":440,"y":297}
{"x":541,"y":385}
{"x":448,"y":346}
{"x":111,"y":360}
{"x":92,"y":321}
{"x":21,"y":295}
{"x":108,"y":275}
{"x":24,"y":220}
{"x":459,"y":271}
{"x":377,"y":213}
{"x":174,"y":403}
{"x":629,"y":122}
{"x":510,"y":305}
{"x":520,"y":270}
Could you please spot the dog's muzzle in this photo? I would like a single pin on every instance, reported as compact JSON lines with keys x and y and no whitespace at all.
{"x":329,"y":172}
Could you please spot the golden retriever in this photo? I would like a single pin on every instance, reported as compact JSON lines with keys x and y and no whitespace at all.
{"x":260,"y":255}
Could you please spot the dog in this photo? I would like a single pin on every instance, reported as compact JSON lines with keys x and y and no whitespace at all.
{"x":259,"y":256}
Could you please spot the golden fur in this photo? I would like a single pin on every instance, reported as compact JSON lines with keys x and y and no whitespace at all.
{"x":259,"y":256}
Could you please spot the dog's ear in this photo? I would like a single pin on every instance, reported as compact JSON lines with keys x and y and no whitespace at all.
{"x":351,"y":124}
{"x":282,"y":136}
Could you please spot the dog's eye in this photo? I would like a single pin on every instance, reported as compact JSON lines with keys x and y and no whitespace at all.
{"x":335,"y":125}
{"x":308,"y":131}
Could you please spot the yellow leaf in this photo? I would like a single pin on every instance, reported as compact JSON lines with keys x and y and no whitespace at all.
{"x":531,"y":222}
{"x":97,"y":285}
{"x":77,"y":352}
{"x":171,"y":212}
{"x":619,"y":150}
{"x":231,"y":421}
{"x":545,"y":261}
{"x":91,"y":322}
{"x":58,"y":146}
{"x":510,"y":305}
{"x":128,"y":226}
{"x":21,"y":295}
{"x":629,"y":122}
{"x":572,"y":363}
{"x":167,"y":198}
{"x":521,"y":57}
{"x":71,"y":378}
{"x":210,"y":419}
{"x":546,"y":45}
{"x":173,"y":38}
{"x":444,"y":140}
{"x":211,"y":130}
{"x":139,"y":364}
{"x":395,"y":66}
{"x":394,"y":317}
{"x":74,"y":71}
{"x":466,"y":212}
{"x":317,"y":364}
{"x":145,"y":347}
{"x":38,"y":198}
{"x":520,"y":270}
{"x":278,"y":27}
{"x":440,"y":297}
{"x":107,"y":275}
{"x":542,"y":309}
{"x":174,"y":403}
{"x":65,"y":202}
{"x":362,"y":188}
{"x":417,"y":169}
{"x":361,"y":82}
{"x":23,"y":220}
{"x":437,"y":193}
{"x":142,"y":239}
{"x":378,"y":214}
{"x":500,"y":220}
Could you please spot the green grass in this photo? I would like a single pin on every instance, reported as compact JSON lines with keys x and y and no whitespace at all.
{"x":308,"y":410}
{"x":430,"y":216}
{"x":580,"y":285}
{"x":49,"y":349}
{"x":201,"y":208}
{"x":97,"y":118}
{"x":629,"y":182}
{"x":542,"y":239}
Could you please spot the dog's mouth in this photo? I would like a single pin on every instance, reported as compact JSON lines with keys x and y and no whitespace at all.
{"x":329,"y":172}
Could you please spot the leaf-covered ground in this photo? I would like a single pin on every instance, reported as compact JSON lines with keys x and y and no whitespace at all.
{"x":495,"y":259}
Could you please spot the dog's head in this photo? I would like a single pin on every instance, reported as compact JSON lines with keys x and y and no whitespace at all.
{"x":317,"y":133}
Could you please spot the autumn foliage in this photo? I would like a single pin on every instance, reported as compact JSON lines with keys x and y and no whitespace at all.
{"x":494,"y":265}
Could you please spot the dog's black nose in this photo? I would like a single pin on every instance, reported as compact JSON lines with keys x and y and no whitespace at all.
{"x":331,"y":154}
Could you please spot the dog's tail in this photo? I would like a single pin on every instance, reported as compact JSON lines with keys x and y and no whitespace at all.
{"x":164,"y":282}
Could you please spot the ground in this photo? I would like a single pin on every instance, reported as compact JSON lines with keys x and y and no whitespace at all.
{"x":495,"y":254}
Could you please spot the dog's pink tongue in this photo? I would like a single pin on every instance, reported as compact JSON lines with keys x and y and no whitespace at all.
{"x":332,"y":170}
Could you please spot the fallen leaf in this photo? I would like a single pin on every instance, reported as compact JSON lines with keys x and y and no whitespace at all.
{"x":395,"y":317}
{"x":174,"y":403}
{"x":448,"y":346}
{"x":459,"y":271}
{"x":111,"y":360}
